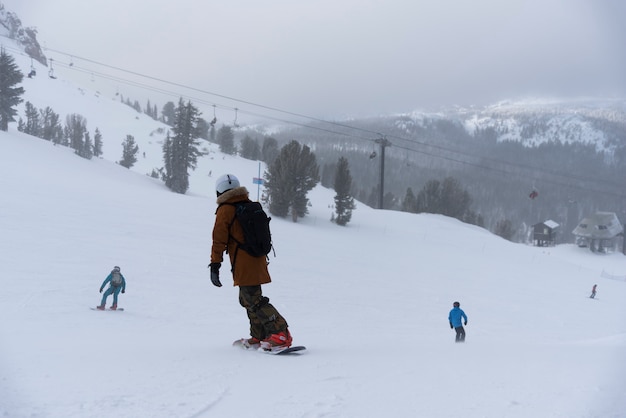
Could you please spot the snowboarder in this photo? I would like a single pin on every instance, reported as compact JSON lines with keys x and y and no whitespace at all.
{"x":455,"y":317}
{"x":593,"y":291}
{"x":117,"y":283}
{"x":268,"y":329}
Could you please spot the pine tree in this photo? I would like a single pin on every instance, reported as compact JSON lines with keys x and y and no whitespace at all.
{"x":289,"y":178}
{"x":10,"y":96}
{"x":32,"y":125}
{"x":429,"y":198}
{"x":169,"y":113}
{"x":75,"y":128}
{"x":181,"y":151}
{"x":409,"y":204}
{"x":97,"y":143}
{"x":447,"y":198}
{"x":129,"y":152}
{"x":86,"y":150}
{"x":269,"y":150}
{"x":167,"y":158}
{"x":149,"y":110}
{"x":250,"y":149}
{"x":455,"y":201}
{"x":344,"y":202}
{"x":203,"y":129}
{"x":226,"y":140}
{"x":51,"y":129}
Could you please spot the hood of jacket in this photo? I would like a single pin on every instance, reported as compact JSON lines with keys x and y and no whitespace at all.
{"x":233,"y":195}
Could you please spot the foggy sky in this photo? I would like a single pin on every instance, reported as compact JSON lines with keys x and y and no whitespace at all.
{"x":337,"y":58}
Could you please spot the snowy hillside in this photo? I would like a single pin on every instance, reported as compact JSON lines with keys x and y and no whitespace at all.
{"x":534,"y":122}
{"x":370,"y":301}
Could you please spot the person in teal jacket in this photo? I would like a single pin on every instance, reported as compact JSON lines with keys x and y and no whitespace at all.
{"x":117,"y":283}
{"x":457,"y":318}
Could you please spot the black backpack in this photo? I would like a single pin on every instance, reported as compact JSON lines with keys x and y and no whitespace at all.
{"x":256,"y":228}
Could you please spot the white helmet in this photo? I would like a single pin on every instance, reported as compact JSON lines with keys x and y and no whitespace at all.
{"x":226,"y":182}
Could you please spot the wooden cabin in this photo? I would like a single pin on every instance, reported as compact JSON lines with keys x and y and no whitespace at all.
{"x":544,"y":234}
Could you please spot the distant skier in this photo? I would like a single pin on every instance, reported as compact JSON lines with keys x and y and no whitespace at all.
{"x":455,"y":316}
{"x":593,"y":291}
{"x":117,"y":283}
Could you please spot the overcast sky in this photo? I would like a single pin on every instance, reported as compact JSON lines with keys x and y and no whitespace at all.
{"x":337,"y":58}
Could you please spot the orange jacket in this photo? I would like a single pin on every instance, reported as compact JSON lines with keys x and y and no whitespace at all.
{"x":247,"y":270}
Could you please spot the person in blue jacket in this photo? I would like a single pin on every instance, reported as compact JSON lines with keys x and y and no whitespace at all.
{"x":457,"y":318}
{"x":117,"y":283}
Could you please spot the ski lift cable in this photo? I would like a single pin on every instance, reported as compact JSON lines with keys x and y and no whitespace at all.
{"x":138,"y":84}
{"x":394,"y":137}
{"x":204,"y":101}
{"x":411,"y":141}
{"x":527,"y":168}
{"x":300,"y":115}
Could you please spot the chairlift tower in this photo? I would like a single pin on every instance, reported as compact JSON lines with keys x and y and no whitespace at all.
{"x":384,"y":143}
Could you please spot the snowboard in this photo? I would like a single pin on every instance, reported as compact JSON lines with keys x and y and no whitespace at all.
{"x":294,"y":349}
{"x":107,"y":309}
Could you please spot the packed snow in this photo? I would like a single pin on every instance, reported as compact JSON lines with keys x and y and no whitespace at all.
{"x":370,"y":301}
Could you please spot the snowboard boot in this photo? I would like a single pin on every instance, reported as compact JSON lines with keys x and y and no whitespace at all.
{"x":251,"y":342}
{"x":100,"y":307}
{"x":280,"y":340}
{"x":113,"y":307}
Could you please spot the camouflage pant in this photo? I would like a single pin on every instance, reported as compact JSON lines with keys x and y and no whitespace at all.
{"x":264,"y":318}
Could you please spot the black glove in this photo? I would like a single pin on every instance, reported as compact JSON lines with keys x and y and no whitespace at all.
{"x":451,"y":325}
{"x":123,"y":291}
{"x":465,"y":323}
{"x":100,"y":290}
{"x":215,"y":274}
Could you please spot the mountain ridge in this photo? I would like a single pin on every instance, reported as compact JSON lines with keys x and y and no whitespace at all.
{"x":12,"y":28}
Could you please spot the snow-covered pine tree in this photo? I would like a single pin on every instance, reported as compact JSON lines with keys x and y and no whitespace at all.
{"x":129,"y":152}
{"x":75,"y":128}
{"x":32,"y":126}
{"x":226,"y":140}
{"x":269,"y":150}
{"x":250,"y":149}
{"x":344,"y":202}
{"x":97,"y":143}
{"x":86,"y":150}
{"x":289,"y":178}
{"x":10,"y":95}
{"x":181,"y":151}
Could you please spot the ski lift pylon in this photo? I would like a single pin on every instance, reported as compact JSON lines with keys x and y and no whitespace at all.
{"x":235,"y":121}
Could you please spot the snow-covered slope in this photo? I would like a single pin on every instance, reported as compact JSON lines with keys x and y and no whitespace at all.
{"x":534,"y":122}
{"x":370,"y":301}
